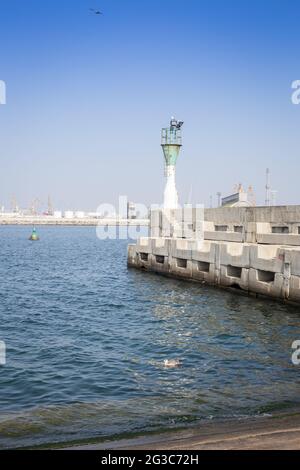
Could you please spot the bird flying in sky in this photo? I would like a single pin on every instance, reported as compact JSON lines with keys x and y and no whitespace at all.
{"x":96,"y":12}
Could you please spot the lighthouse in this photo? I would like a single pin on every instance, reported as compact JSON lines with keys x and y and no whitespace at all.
{"x":171,"y":143}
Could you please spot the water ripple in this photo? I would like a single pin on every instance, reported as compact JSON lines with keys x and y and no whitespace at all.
{"x":87,"y":339}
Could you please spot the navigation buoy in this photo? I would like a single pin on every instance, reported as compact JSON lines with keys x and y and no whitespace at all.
{"x":34,"y":236}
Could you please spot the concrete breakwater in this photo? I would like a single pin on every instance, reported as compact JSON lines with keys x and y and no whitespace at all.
{"x":256,"y":250}
{"x":86,"y":221}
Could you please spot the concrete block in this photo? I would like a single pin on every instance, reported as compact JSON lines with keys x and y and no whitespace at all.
{"x":224,"y":236}
{"x":172,"y":215}
{"x":198,"y":231}
{"x":294,"y":289}
{"x":263,"y":228}
{"x":144,"y":245}
{"x":177,"y":230}
{"x":266,"y":282}
{"x":235,"y":254}
{"x":181,"y":267}
{"x":266,"y":257}
{"x":159,"y":263}
{"x":233,"y":276}
{"x":181,"y":248}
{"x":132,"y":256}
{"x":292,"y":256}
{"x":294,"y":228}
{"x":204,"y":251}
{"x":198,"y":214}
{"x":278,"y":239}
{"x":250,"y":232}
{"x":203,"y":271}
{"x":161,"y":246}
{"x":172,"y":223}
{"x":155,"y":232}
{"x":166,"y":232}
{"x":143,"y":260}
{"x":208,"y":226}
{"x":187,"y":213}
{"x":187,"y":222}
{"x":156,"y":217}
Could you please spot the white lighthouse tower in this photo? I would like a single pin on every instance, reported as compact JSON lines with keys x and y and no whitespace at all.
{"x":171,"y":144}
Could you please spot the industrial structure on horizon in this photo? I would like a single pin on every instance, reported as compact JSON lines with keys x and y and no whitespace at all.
{"x":240,"y":198}
{"x":50,"y":213}
{"x":171,"y":142}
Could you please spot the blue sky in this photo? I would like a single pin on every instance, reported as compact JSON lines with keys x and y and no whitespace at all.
{"x":87,"y":96}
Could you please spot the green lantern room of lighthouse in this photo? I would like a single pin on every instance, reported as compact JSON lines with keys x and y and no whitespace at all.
{"x":171,"y":141}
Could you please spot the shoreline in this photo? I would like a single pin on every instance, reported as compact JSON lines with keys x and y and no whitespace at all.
{"x":280,"y":432}
{"x":85,"y":222}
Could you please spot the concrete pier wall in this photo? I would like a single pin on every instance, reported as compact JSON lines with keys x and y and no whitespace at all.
{"x":256,"y":250}
{"x":270,"y":270}
{"x":264,"y":225}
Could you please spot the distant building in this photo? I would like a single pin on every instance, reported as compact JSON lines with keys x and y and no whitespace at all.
{"x":80,"y":215}
{"x":239,"y":199}
{"x":69,"y":215}
{"x":131,"y":210}
{"x":95,"y":215}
